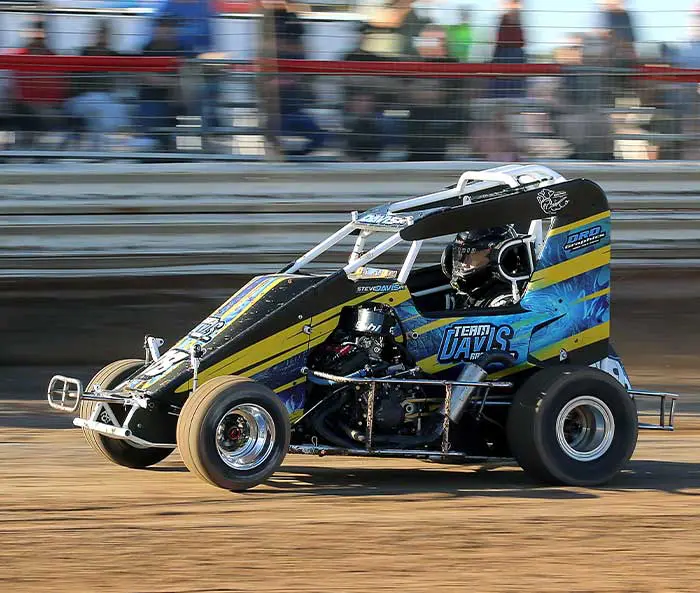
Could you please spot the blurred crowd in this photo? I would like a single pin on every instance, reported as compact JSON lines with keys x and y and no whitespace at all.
{"x":595,"y":109}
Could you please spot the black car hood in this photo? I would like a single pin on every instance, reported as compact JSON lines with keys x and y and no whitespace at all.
{"x":262,"y":307}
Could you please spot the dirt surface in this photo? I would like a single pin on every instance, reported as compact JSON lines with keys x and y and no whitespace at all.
{"x":71,"y":522}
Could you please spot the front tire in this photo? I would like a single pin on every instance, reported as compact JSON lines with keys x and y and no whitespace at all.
{"x":116,"y":450}
{"x":572,"y":425}
{"x":233,"y":432}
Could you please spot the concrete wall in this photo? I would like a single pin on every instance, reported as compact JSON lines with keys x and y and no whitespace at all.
{"x":117,"y":220}
{"x":93,"y":257}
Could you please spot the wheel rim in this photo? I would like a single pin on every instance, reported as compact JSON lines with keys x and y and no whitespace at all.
{"x":585,"y":428}
{"x":245,"y":436}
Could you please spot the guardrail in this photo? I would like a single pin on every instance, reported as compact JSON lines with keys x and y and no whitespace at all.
{"x":113,"y":220}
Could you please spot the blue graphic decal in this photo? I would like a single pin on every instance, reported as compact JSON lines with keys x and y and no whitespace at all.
{"x":468,"y":341}
{"x":556,"y":251}
{"x":584,"y":238}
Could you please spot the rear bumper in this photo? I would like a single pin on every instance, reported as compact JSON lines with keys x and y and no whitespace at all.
{"x":666,"y":410}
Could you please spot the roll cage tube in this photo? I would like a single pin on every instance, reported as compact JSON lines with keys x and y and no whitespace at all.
{"x":357,"y":259}
{"x":399,"y":217}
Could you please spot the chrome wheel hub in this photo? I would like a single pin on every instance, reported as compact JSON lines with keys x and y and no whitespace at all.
{"x":585,"y":428}
{"x":245,"y":437}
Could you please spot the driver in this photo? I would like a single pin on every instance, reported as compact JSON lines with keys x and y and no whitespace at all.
{"x":469,"y":263}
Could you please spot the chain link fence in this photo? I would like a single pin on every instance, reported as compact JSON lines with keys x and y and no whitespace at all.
{"x":388,"y":83}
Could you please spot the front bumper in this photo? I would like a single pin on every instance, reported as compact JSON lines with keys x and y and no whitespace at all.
{"x":66,"y":394}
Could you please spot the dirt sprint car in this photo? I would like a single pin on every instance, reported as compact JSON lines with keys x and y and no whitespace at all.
{"x":373,"y":361}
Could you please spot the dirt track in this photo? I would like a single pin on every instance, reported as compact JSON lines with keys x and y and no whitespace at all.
{"x":70,"y":522}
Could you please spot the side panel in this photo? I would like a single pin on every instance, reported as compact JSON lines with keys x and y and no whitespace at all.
{"x":442,"y":345}
{"x":571,"y":284}
{"x":567,"y":302}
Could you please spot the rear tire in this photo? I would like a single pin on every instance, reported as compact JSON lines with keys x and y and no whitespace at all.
{"x":233,"y":432}
{"x":572,"y":425}
{"x":117,"y":450}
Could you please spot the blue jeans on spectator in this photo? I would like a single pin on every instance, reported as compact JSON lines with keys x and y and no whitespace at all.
{"x":504,"y":87}
{"x":298,"y":123}
{"x":158,"y":114}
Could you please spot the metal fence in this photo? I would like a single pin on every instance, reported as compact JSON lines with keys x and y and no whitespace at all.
{"x":410,"y":91}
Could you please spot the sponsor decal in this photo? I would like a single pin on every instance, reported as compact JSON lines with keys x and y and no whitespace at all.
{"x":552,"y":201}
{"x":165,"y":362}
{"x":206,"y":330}
{"x":385,"y":219}
{"x":464,"y":342}
{"x":584,"y":238}
{"x":380,"y":287}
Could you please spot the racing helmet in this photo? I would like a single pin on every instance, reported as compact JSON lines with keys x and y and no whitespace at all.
{"x":472,"y":255}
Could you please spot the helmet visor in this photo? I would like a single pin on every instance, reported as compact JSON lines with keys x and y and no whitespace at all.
{"x":466,"y":260}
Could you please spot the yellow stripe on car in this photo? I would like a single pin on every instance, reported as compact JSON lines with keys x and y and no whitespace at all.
{"x":435,"y":325}
{"x":289,"y":385}
{"x":431,"y":365}
{"x":291,"y":340}
{"x":584,"y":338}
{"x":594,"y":295}
{"x":570,"y":268}
{"x":579,"y":223}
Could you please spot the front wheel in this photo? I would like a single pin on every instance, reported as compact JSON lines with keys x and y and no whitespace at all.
{"x":116,"y":450}
{"x":572,"y":425}
{"x":233,"y":432}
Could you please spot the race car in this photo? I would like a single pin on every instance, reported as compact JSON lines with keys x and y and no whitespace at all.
{"x":414,"y":360}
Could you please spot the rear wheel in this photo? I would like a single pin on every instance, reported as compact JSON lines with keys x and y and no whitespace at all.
{"x":572,"y":425}
{"x":233,"y":432}
{"x":117,"y":450}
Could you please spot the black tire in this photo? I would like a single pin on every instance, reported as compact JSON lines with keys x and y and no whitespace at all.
{"x":116,"y":450}
{"x":532,"y":426}
{"x":229,"y":399}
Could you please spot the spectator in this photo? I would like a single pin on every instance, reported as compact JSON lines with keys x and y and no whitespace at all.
{"x":192,"y":19}
{"x":431,"y":122}
{"x":619,"y":30}
{"x":369,"y":112}
{"x":373,"y":104}
{"x":510,"y":49}
{"x":689,"y":110}
{"x":363,"y":121}
{"x":38,"y":95}
{"x":578,"y":115}
{"x":94,"y":100}
{"x":392,"y":30}
{"x":618,"y":33}
{"x":285,"y":40}
{"x":199,"y":84}
{"x":460,"y":37}
{"x":159,"y":95}
{"x":493,"y":140}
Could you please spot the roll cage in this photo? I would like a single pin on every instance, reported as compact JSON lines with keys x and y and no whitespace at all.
{"x":394,"y":218}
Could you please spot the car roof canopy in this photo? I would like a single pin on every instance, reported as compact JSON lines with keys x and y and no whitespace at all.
{"x":473,"y":186}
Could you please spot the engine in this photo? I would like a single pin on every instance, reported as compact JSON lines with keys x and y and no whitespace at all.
{"x":365,"y":344}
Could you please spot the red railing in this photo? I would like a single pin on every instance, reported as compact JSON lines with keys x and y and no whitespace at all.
{"x":65,"y":63}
